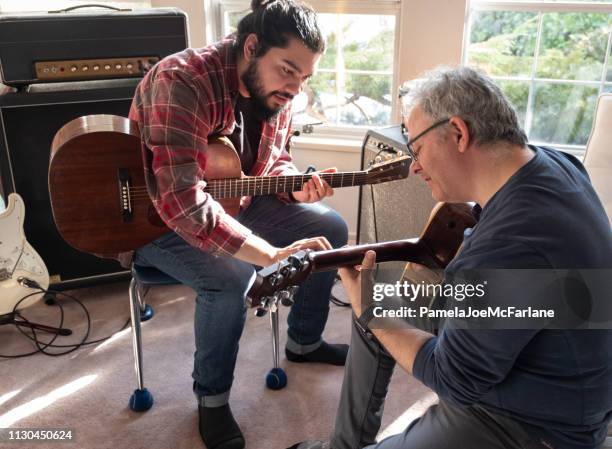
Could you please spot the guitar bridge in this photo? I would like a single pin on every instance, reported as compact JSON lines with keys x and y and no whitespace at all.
{"x":125,"y":198}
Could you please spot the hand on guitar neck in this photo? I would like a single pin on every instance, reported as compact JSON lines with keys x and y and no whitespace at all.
{"x":315,"y":189}
{"x":259,"y":252}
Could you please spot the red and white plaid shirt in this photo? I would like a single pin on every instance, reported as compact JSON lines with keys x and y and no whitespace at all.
{"x":183,"y":100}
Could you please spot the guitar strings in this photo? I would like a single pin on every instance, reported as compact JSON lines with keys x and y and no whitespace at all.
{"x":237,"y":187}
{"x":248,"y":184}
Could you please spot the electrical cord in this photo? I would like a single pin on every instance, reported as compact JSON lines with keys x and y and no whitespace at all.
{"x":335,"y":300}
{"x":41,"y":347}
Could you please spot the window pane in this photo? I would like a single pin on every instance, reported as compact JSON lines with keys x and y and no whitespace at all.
{"x":573,"y":46}
{"x":231,"y":20}
{"x":563,"y":113}
{"x":344,"y":92}
{"x":359,"y":99}
{"x":503,"y":42}
{"x":321,"y":91}
{"x":518,"y":93}
{"x":607,"y":88}
{"x":367,"y":41}
{"x":341,"y":94}
{"x":609,"y":77}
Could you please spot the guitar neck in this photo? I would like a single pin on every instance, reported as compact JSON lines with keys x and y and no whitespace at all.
{"x":398,"y":250}
{"x":266,"y":185}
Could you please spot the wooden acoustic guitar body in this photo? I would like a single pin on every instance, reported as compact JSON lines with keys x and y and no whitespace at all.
{"x":93,"y":209}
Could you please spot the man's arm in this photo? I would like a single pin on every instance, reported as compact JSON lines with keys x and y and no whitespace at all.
{"x":175,"y":126}
{"x":402,"y":344}
{"x":460,"y":365}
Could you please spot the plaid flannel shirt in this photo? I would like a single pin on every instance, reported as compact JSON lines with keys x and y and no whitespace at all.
{"x":183,"y":100}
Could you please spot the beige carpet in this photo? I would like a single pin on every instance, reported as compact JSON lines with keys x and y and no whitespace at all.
{"x":88,"y":390}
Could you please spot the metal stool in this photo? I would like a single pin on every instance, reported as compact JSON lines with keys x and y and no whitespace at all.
{"x":142,"y":400}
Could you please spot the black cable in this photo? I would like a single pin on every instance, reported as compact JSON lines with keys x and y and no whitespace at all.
{"x":42,"y":346}
{"x":335,"y":300}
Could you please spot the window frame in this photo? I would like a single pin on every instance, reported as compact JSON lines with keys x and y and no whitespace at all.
{"x":366,"y":7}
{"x":541,"y":8}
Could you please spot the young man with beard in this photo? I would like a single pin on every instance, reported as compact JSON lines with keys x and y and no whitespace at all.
{"x":526,"y":386}
{"x":242,"y":88}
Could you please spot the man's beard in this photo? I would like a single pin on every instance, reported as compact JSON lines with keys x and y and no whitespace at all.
{"x":253,"y":84}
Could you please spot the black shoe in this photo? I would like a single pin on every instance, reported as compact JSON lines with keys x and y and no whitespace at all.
{"x":219,"y":429}
{"x":311,"y":445}
{"x":326,"y":353}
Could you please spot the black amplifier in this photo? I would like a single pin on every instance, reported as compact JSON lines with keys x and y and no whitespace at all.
{"x":87,"y":44}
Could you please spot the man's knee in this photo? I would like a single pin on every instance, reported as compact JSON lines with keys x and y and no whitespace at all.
{"x":233,"y":278}
{"x":334,"y":228}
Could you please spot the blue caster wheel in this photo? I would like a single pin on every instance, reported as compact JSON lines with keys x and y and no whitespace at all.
{"x":276,"y":379}
{"x":141,"y":400}
{"x":147,"y":313}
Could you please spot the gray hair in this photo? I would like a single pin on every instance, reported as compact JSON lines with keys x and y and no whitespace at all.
{"x":469,"y":94}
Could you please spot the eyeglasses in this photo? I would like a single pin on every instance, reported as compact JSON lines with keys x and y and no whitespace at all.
{"x":413,"y":154}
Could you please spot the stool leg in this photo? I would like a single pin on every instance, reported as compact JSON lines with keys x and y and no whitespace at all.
{"x":135,"y":309}
{"x":276,"y":378}
{"x":145,"y":310}
{"x":141,"y":399}
{"x":274,"y":329}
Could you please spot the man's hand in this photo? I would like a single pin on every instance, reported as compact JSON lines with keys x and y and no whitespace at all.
{"x":315,"y":243}
{"x":315,"y":189}
{"x":352,"y":280}
{"x":257,"y":251}
{"x":402,"y":344}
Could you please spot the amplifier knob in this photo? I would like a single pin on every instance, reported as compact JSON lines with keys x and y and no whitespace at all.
{"x":118,"y":66}
{"x":129,"y":66}
{"x":107,"y":67}
{"x":73,"y":68}
{"x":96,"y":67}
{"x":85,"y":68}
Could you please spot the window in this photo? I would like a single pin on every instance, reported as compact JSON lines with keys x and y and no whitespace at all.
{"x":355,"y":84}
{"x":552,"y":59}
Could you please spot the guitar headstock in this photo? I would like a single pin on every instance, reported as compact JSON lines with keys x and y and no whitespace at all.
{"x":389,"y":170}
{"x":279,"y":279}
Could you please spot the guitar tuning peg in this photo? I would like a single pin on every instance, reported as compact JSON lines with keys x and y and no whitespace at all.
{"x":286,"y":298}
{"x":276,"y":279}
{"x":260,"y":311}
{"x":378,"y":159}
{"x":400,"y":153}
{"x":388,"y":157}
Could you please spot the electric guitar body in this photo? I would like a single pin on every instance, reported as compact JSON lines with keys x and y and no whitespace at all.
{"x":18,"y":260}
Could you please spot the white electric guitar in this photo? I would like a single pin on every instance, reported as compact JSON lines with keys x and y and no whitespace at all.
{"x":19,"y":263}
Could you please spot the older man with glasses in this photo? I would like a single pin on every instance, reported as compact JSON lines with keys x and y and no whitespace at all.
{"x":505,"y":388}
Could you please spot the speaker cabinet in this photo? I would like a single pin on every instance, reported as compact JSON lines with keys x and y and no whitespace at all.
{"x":394,"y":210}
{"x":28,"y":122}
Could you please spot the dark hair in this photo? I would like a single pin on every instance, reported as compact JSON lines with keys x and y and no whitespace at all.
{"x":275,"y":21}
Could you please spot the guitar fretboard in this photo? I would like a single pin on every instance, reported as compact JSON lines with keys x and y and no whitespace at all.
{"x":266,"y":185}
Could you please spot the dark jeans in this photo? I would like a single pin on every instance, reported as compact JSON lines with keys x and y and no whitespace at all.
{"x":221,"y":284}
{"x":443,"y":426}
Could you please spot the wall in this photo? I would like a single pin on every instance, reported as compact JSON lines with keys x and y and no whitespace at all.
{"x":196,"y":18}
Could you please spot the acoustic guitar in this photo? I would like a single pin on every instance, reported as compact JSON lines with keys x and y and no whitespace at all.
{"x":435,"y":248}
{"x":98,"y":195}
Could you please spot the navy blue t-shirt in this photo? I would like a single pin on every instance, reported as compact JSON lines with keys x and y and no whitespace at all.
{"x":556,"y":382}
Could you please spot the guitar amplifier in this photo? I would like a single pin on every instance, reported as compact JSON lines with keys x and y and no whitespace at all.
{"x":394,"y":210}
{"x":28,"y":122}
{"x":77,"y":44}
